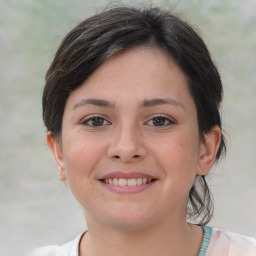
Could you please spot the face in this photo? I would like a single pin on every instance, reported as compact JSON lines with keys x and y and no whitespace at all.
{"x":130,"y":147}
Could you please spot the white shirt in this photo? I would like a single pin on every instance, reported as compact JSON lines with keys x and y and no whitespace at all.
{"x":216,"y":243}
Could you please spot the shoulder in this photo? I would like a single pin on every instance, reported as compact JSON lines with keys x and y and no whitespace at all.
{"x":231,"y":244}
{"x":68,"y":249}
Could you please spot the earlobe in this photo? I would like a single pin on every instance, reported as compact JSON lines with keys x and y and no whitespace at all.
{"x":55,"y":147}
{"x":208,"y":150}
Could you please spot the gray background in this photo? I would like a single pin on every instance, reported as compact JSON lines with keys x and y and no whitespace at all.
{"x":35,"y":207}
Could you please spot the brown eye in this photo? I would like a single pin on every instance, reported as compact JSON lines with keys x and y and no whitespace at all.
{"x":95,"y":121}
{"x":160,"y":121}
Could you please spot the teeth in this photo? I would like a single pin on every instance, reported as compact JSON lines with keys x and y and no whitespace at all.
{"x":139,"y":181}
{"x":122,"y":182}
{"x":127,"y":182}
{"x":132,"y":182}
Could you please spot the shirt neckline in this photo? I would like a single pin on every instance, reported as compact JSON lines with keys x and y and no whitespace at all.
{"x":206,"y":240}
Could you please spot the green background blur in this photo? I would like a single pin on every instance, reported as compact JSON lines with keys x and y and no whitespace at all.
{"x":35,"y":207}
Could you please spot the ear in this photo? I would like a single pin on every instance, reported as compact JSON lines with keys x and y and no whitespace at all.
{"x":208,"y":149}
{"x":56,"y":149}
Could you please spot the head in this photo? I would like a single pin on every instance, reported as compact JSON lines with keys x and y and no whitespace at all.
{"x":112,"y":32}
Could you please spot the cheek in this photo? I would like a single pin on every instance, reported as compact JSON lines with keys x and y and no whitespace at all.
{"x":178,"y":154}
{"x":180,"y":147}
{"x":81,"y":155}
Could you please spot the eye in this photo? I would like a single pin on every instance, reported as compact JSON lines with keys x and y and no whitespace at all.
{"x":160,"y":121}
{"x":95,"y":121}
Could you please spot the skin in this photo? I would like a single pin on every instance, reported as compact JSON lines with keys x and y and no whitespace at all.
{"x":128,"y":138}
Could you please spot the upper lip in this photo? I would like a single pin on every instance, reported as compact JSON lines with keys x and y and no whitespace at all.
{"x":126,"y":175}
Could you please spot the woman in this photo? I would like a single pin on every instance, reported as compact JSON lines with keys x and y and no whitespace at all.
{"x":131,"y":105}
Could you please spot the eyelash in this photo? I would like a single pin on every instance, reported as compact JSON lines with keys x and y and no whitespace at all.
{"x":164,"y":118}
{"x":104,"y":122}
{"x":93,"y":118}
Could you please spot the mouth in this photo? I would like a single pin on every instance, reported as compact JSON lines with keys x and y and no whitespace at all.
{"x":127,"y":182}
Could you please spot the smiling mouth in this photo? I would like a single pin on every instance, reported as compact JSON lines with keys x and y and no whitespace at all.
{"x":127,"y":182}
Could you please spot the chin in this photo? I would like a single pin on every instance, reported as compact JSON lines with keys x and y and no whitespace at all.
{"x":129,"y":217}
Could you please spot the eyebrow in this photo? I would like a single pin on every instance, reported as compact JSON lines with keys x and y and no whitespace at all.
{"x":145,"y":103}
{"x":96,"y":102}
{"x":155,"y":102}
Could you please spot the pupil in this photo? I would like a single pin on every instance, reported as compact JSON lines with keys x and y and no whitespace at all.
{"x":97,"y":121}
{"x":159,"y":121}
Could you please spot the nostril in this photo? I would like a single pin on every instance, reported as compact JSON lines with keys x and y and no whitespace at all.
{"x":118,"y":157}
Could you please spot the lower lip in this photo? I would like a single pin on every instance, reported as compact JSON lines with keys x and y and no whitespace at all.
{"x":128,"y":189}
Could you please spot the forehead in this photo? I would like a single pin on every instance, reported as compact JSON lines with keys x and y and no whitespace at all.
{"x":136,"y":74}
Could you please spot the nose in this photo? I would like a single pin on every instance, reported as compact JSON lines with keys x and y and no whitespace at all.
{"x":126,"y":145}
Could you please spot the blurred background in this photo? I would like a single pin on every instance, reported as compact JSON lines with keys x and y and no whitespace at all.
{"x":35,"y":207}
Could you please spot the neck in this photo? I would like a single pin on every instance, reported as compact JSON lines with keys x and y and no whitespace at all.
{"x":165,"y":238}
